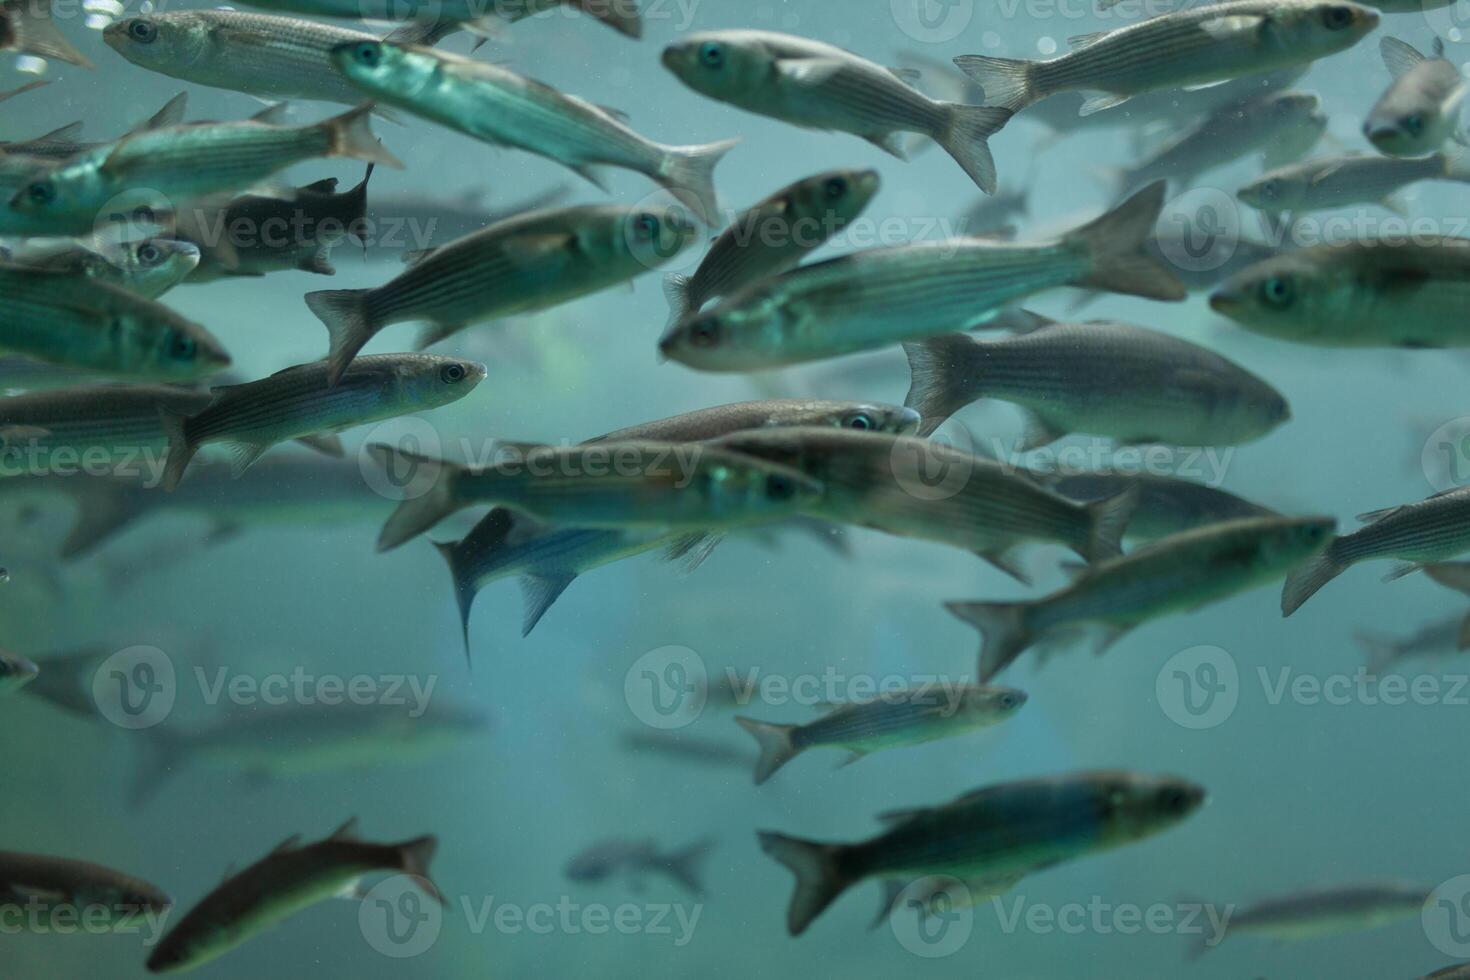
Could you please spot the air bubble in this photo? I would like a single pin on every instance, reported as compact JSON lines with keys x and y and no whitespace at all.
{"x":1046,"y":46}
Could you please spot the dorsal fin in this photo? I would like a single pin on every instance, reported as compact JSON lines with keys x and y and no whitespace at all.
{"x":348,"y":831}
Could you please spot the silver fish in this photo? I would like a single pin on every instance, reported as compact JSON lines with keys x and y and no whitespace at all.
{"x":484,"y":17}
{"x":1335,"y":182}
{"x":150,"y":267}
{"x":26,"y":27}
{"x":121,"y":425}
{"x":64,"y":889}
{"x":1421,"y":109}
{"x":1166,"y":505}
{"x":636,"y":858}
{"x":1332,"y":911}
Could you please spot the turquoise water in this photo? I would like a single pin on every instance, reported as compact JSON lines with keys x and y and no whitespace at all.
{"x":1301,"y":794}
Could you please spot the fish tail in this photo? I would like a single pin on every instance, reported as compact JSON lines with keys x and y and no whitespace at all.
{"x":417,"y":855}
{"x":776,"y":745}
{"x":1007,"y":82}
{"x":819,"y":879}
{"x":1115,"y":243}
{"x":944,"y":378}
{"x":344,"y":312}
{"x":677,"y":290}
{"x":684,"y":865}
{"x":181,"y":448}
{"x":164,"y":753}
{"x":420,"y":512}
{"x":34,"y":32}
{"x":1109,"y":522}
{"x":1303,"y":581}
{"x":1004,"y":634}
{"x":892,"y":891}
{"x":970,"y":128}
{"x":465,"y":589}
{"x":689,"y":174}
{"x":1451,"y":574}
{"x":352,"y":136}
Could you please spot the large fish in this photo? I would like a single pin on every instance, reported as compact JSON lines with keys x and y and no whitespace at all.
{"x":66,"y":891}
{"x":506,"y":109}
{"x":886,"y":296}
{"x":823,"y":87}
{"x":1176,"y":574}
{"x":26,"y":27}
{"x":1421,"y":109}
{"x":1335,"y":182}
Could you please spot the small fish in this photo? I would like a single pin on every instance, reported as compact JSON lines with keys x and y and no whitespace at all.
{"x":1335,"y":182}
{"x":15,"y":672}
{"x":67,"y":891}
{"x":1437,"y":639}
{"x":998,"y":833}
{"x":773,"y":236}
{"x":527,"y":263}
{"x":622,"y":16}
{"x":636,"y":858}
{"x":1166,"y":505}
{"x":150,"y":267}
{"x":886,"y":296}
{"x":186,"y":163}
{"x":502,"y":108}
{"x":484,"y":17}
{"x":26,"y":27}
{"x":1415,"y":535}
{"x":298,"y":402}
{"x":933,"y":492}
{"x":1100,"y":378}
{"x":287,"y":880}
{"x":92,"y":326}
{"x":819,"y":86}
{"x":897,"y":718}
{"x":1176,"y":574}
{"x":122,"y":423}
{"x":683,"y":747}
{"x":1421,"y":109}
{"x":1321,"y":912}
{"x":1367,"y":292}
{"x":1198,"y":46}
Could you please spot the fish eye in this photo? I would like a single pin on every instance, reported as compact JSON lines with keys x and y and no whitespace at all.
{"x":835,"y":188}
{"x":1336,"y":18}
{"x":1278,"y":291}
{"x":862,"y":421}
{"x":647,"y":226}
{"x":181,"y":347}
{"x":779,"y":487}
{"x":143,"y":31}
{"x":712,"y":55}
{"x":1270,"y":189}
{"x":1414,"y":124}
{"x":1174,"y":800}
{"x":41,"y":192}
{"x":149,"y":253}
{"x":452,"y":374}
{"x":704,"y":333}
{"x":1008,"y":700}
{"x":368,"y":54}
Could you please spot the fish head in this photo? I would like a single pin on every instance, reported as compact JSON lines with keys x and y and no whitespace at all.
{"x":720,"y":65}
{"x":159,"y":41}
{"x":379,"y":66}
{"x":155,"y":265}
{"x":1286,"y":541}
{"x":15,"y":672}
{"x":1290,"y":296}
{"x":431,"y":381}
{"x":991,"y":703}
{"x":1405,"y":124}
{"x":66,"y":199}
{"x":1273,"y":193}
{"x":1320,"y":29}
{"x":744,"y":333}
{"x":1137,"y":805}
{"x":820,"y":206}
{"x":869,"y":417}
{"x":177,"y":349}
{"x":652,"y":235}
{"x":743,"y":488}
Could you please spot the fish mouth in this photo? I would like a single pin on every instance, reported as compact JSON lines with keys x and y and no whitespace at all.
{"x":909,"y":420}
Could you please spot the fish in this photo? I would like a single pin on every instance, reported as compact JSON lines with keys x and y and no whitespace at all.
{"x":933,"y":492}
{"x":1336,"y":182}
{"x":1179,"y":573}
{"x":999,"y":832}
{"x":501,"y":108}
{"x":1279,"y":125}
{"x":609,"y":485}
{"x":773,"y":236}
{"x":23,"y":89}
{"x":1365,"y":292}
{"x":26,"y":27}
{"x":1102,"y":378}
{"x":622,"y":16}
{"x":92,"y":326}
{"x":1176,"y":236}
{"x":884,"y":296}
{"x":1414,"y":535}
{"x":524,"y":264}
{"x":186,"y":163}
{"x":636,"y":858}
{"x":1166,"y":504}
{"x":25,"y":374}
{"x":819,"y":86}
{"x":289,"y":879}
{"x":298,"y":402}
{"x":1421,"y":109}
{"x":547,"y":560}
{"x":683,"y":747}
{"x":150,"y":267}
{"x":15,"y":672}
{"x":1196,"y":46}
{"x":1439,"y":638}
{"x":63,"y":143}
{"x":483,"y":17}
{"x":62,"y":890}
{"x":255,"y":236}
{"x":396,"y":221}
{"x":269,"y":57}
{"x":898,"y":718}
{"x":994,"y":215}
{"x":1320,"y":912}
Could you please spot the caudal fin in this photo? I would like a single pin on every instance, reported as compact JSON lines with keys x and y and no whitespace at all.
{"x":1006,"y":81}
{"x":944,"y":377}
{"x":775,"y":743}
{"x":819,"y":880}
{"x":1004,"y":635}
{"x":1110,"y":519}
{"x":681,"y":301}
{"x":683,"y":866}
{"x":689,"y":174}
{"x":31,"y":31}
{"x":416,"y":856}
{"x":352,"y":137}
{"x":970,"y":128}
{"x":465,"y":588}
{"x":345,"y":314}
{"x":181,"y":448}
{"x":1116,"y":242}
{"x":423,"y":509}
{"x":1451,"y":574}
{"x":1303,"y":581}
